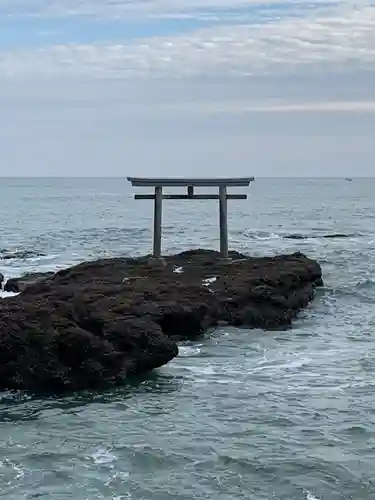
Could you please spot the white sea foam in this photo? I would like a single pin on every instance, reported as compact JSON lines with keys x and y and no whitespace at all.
{"x":275,"y":366}
{"x":189,"y":351}
{"x":310,"y":496}
{"x":201,"y":370}
{"x":118,"y":476}
{"x":17,"y":469}
{"x":178,"y":270}
{"x":103,"y":457}
{"x":41,"y":258}
{"x":6,"y":295}
{"x":261,"y":235}
{"x":208,"y":281}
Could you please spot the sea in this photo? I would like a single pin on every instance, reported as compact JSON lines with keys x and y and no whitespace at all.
{"x":239,"y":414}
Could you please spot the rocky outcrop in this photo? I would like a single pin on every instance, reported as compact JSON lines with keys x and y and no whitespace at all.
{"x":17,"y":285}
{"x":102,"y":322}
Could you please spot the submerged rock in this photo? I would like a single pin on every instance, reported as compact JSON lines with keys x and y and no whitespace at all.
{"x":19,"y":254}
{"x":102,"y":322}
{"x":332,"y":236}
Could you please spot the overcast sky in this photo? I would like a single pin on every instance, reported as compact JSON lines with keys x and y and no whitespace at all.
{"x":187,"y":87}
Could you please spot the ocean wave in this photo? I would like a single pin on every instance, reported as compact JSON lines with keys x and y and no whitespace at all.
{"x":361,"y":291}
{"x":366,"y":284}
{"x":109,"y":233}
{"x":261,"y":235}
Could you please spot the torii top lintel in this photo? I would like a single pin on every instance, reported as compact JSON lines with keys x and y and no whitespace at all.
{"x":193,"y":181}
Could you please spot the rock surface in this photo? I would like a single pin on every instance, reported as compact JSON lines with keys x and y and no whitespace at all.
{"x":102,"y":322}
{"x":17,"y":285}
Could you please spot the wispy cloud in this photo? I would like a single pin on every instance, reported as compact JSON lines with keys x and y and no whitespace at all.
{"x":345,"y":39}
{"x":112,"y":8}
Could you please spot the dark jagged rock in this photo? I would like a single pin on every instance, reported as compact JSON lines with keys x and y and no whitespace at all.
{"x":332,"y":236}
{"x":337,"y":235}
{"x":17,"y":285}
{"x":101,"y":322}
{"x":1,"y":280}
{"x":19,"y":254}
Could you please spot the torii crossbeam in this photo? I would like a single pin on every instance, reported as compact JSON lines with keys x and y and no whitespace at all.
{"x":190,"y":184}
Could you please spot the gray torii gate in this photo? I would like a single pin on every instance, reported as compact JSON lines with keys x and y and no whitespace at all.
{"x":190,"y":184}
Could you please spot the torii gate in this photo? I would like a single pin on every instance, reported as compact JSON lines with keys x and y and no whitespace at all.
{"x":190,"y":184}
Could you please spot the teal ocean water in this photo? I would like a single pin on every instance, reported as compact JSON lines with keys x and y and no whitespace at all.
{"x":239,"y":414}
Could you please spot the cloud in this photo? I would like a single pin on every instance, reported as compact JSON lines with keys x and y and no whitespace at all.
{"x":121,"y":8}
{"x":283,"y":89}
{"x":344,"y":39}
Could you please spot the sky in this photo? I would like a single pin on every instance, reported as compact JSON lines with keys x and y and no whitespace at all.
{"x":187,"y":87}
